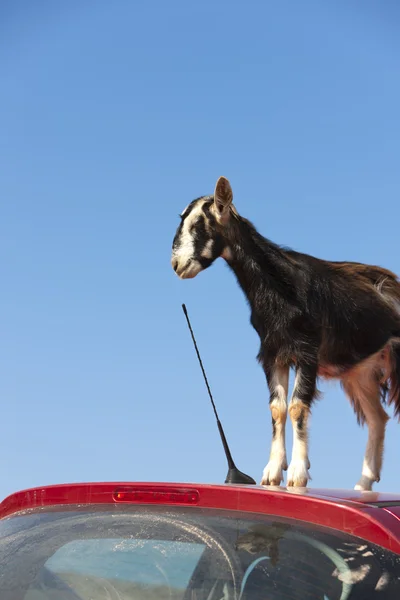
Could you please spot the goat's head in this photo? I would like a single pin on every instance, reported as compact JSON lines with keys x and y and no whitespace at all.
{"x":199,"y":239}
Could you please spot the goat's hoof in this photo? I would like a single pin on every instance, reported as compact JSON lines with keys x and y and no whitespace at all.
{"x":273,"y":473}
{"x":298,"y":474}
{"x":365,"y":484}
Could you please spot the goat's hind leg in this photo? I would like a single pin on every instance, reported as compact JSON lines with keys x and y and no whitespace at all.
{"x":363,"y":389}
{"x":304,"y":393}
{"x":278,"y":383}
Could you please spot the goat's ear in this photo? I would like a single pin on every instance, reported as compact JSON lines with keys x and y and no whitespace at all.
{"x":223,"y":197}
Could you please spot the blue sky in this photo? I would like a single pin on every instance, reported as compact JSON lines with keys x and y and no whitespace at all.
{"x":113,"y":116}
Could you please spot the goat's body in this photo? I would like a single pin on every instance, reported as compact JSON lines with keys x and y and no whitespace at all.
{"x":302,"y":305}
{"x":335,"y":320}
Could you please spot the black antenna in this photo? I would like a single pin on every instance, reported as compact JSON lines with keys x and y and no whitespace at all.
{"x":234,"y":475}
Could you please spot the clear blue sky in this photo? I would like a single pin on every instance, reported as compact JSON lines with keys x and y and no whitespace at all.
{"x":113,"y":116}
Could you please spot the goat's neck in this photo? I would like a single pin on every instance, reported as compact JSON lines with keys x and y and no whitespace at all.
{"x":255,"y":260}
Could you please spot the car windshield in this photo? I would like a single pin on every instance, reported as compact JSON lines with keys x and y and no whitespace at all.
{"x":150,"y":553}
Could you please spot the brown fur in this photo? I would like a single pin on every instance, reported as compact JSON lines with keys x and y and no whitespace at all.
{"x":384,"y":366}
{"x":382,"y":279}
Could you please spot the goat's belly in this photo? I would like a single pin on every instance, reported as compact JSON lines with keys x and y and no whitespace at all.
{"x":329,"y":371}
{"x":379,"y":362}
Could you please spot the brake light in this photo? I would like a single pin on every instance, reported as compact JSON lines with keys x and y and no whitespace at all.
{"x":156,"y":495}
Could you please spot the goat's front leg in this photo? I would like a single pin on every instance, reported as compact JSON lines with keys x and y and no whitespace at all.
{"x":303,"y":395}
{"x":278,"y":382}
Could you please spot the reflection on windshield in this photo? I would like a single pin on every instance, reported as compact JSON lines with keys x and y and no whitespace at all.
{"x":150,"y":553}
{"x":138,"y":563}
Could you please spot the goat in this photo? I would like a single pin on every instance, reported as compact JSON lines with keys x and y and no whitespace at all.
{"x":335,"y":320}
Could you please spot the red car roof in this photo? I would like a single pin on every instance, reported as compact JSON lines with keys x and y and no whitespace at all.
{"x":371,"y":516}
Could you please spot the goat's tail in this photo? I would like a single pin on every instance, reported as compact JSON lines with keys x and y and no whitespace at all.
{"x":393,"y":392}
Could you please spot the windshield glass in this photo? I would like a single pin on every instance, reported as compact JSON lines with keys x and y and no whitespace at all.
{"x":153,"y":553}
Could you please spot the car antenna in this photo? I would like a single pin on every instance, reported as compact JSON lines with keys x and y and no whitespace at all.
{"x":234,"y":475}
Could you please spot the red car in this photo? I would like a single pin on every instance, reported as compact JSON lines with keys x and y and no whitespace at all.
{"x":145,"y":541}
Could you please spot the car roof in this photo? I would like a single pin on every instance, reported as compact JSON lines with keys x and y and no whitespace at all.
{"x":328,"y":494}
{"x":372,"y":516}
{"x":68,"y":494}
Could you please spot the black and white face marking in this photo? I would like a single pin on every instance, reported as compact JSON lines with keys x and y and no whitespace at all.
{"x":198,"y":240}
